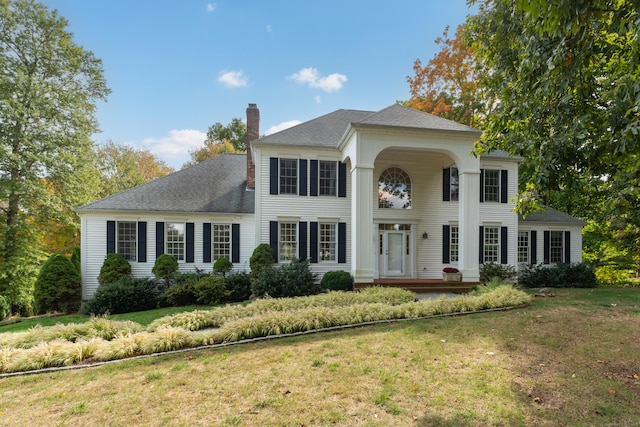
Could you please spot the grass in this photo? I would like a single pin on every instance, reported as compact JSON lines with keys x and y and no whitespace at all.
{"x":567,"y":360}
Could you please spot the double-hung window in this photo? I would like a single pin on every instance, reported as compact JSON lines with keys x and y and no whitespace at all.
{"x":454,"y":184}
{"x":454,"y":243}
{"x":328,"y":242}
{"x":491,"y":185}
{"x":288,"y":241}
{"x":523,"y":247}
{"x":556,"y":247}
{"x":176,"y":240}
{"x":328,"y":178}
{"x":491,"y":245}
{"x":288,"y":176}
{"x":127,"y":242}
{"x":221,"y":241}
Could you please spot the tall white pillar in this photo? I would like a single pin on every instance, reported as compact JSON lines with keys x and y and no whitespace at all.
{"x":362,"y":244}
{"x":469,"y":225}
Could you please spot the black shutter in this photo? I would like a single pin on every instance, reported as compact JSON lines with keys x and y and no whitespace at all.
{"x":206,"y":242}
{"x":313,"y":241}
{"x":302,"y":241}
{"x":302,"y":177}
{"x":547,"y":247}
{"x":481,"y":185}
{"x":235,"y":243}
{"x":159,"y":238}
{"x":534,"y":247}
{"x":481,"y":246}
{"x":446,"y":243}
{"x":446,"y":184}
{"x":504,"y":182}
{"x":342,"y":242}
{"x":342,"y":179}
{"x":273,"y":239}
{"x":567,"y":246}
{"x":503,"y":245}
{"x":273,"y":175}
{"x":313,"y":177}
{"x":111,"y":237}
{"x":142,"y":241}
{"x":189,"y":256}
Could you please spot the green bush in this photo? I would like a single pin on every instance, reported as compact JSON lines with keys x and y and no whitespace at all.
{"x":261,"y":258}
{"x":165,"y":267}
{"x":181,"y":294}
{"x":58,"y":286}
{"x":609,"y":276}
{"x":5,"y":308}
{"x":205,"y":290}
{"x":114,"y":268}
{"x":289,"y":280}
{"x":566,"y":275}
{"x":338,"y":280}
{"x":222,"y":265}
{"x":239,"y":286}
{"x":124,"y":296}
{"x":493,"y":271}
{"x":75,"y":258}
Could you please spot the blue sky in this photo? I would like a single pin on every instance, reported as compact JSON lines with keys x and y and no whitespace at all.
{"x":176,"y":67}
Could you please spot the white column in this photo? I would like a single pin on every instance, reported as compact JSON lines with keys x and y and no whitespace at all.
{"x":362,"y":244}
{"x":469,"y":224}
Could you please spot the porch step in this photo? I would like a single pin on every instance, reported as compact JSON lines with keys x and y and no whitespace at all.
{"x":420,"y":285}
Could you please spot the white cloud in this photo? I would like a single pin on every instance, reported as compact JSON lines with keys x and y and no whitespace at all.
{"x":211,"y":7}
{"x":174,"y":148}
{"x":318,"y":99}
{"x":311,"y":77}
{"x":269,"y":28}
{"x":282,"y":126}
{"x":232,"y":78}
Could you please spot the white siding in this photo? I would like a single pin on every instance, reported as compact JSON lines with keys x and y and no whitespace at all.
{"x":94,"y":243}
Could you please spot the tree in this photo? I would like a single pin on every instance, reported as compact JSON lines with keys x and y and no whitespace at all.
{"x":48,"y":89}
{"x":58,"y":286}
{"x":221,"y":140}
{"x":122,"y":167}
{"x":447,"y":86}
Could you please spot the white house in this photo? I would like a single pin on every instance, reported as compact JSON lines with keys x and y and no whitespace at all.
{"x":395,"y":193}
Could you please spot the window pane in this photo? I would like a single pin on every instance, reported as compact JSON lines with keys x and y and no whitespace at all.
{"x":221,"y":241}
{"x":454,"y":184}
{"x":328,"y":242}
{"x":491,"y":185}
{"x":454,"y":243}
{"x":175,"y":240}
{"x":288,"y":176}
{"x":328,"y":178}
{"x":491,"y":244}
{"x":394,"y":189}
{"x":288,"y":241}
{"x":523,"y":247}
{"x":556,"y":250}
{"x":126,"y":245}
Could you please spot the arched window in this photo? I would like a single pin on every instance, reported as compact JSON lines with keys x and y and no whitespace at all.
{"x":394,"y":189}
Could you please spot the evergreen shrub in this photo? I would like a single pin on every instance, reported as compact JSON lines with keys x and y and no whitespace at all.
{"x":204,"y":290}
{"x":493,"y":271}
{"x":261,"y":258}
{"x":165,"y":267}
{"x":5,"y":308}
{"x":338,"y":280}
{"x":289,"y":280}
{"x":123,"y":296}
{"x":239,"y":286}
{"x":114,"y":268}
{"x":565,"y":275}
{"x":58,"y":286}
{"x":75,"y":258}
{"x":222,"y":266}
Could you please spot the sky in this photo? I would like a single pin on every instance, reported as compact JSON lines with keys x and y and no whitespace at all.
{"x":176,"y":67}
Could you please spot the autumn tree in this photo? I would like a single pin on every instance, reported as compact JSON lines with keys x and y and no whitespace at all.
{"x":221,"y":140}
{"x":122,"y":167}
{"x":447,"y":86}
{"x":48,"y":90}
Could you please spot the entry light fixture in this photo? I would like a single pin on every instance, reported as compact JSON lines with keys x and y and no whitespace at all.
{"x":425,"y":235}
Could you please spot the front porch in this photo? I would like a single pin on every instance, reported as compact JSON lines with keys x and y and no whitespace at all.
{"x":420,"y":285}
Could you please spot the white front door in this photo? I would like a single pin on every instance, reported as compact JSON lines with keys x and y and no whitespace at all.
{"x":393,"y":254}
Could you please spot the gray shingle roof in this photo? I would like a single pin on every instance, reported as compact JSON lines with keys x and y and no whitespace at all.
{"x":327,"y":131}
{"x":550,"y":215}
{"x":217,"y":185}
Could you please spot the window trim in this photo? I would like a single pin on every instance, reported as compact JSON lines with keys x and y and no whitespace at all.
{"x":184,"y":241}
{"x":452,"y":259}
{"x":451,"y":184}
{"x":293,"y":178}
{"x":334,"y":178}
{"x":215,"y":254}
{"x":495,"y":245}
{"x":294,"y":227}
{"x":329,"y":243}
{"x":520,"y":247}
{"x":135,"y":240}
{"x":497,"y":187}
{"x":384,"y":204}
{"x":561,"y":248}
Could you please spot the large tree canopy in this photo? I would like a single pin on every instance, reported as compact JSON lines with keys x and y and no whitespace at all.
{"x":48,"y":89}
{"x":221,"y":140}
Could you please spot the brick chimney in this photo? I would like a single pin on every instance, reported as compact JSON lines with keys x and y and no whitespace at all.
{"x":253,"y":133}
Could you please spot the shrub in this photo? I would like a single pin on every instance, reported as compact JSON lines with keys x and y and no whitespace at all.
{"x":288,"y":280}
{"x":338,"y":280}
{"x":206,"y":290}
{"x":222,"y":265}
{"x":165,"y":267}
{"x":5,"y":308}
{"x":182,"y":277}
{"x":124,"y":296}
{"x":114,"y":268}
{"x":58,"y":286}
{"x":239,"y":286}
{"x":182,"y":294}
{"x":75,"y":258}
{"x":261,"y":258}
{"x":577,"y":275}
{"x":615,"y":276}
{"x":491,"y":271}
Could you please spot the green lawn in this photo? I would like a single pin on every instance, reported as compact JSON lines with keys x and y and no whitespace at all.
{"x":567,"y":360}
